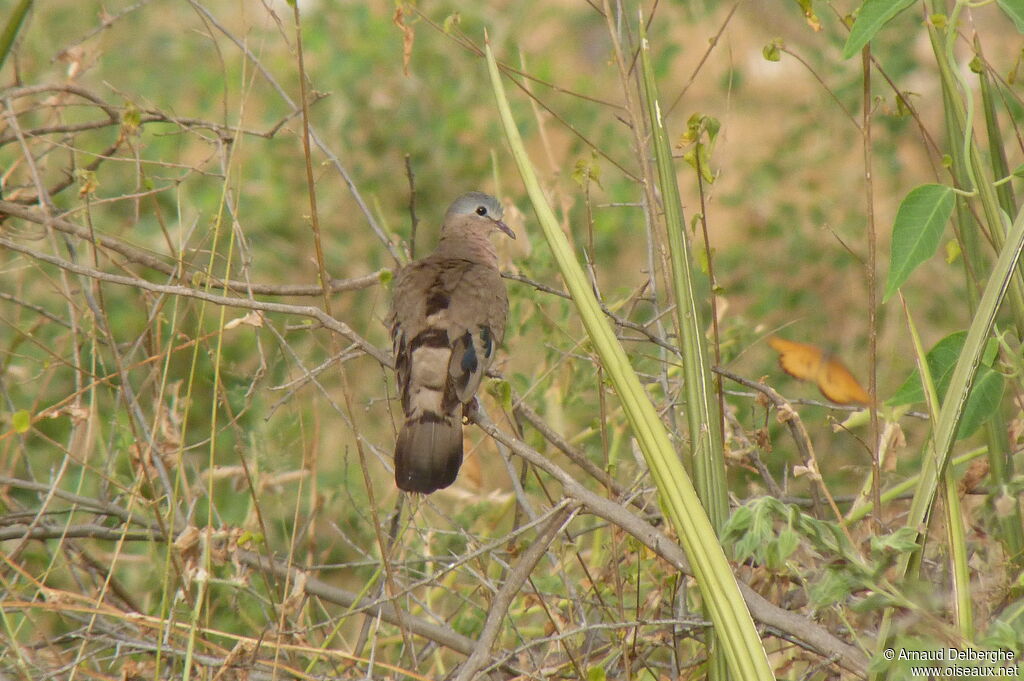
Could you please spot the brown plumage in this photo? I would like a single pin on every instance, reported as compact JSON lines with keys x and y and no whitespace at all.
{"x":447,"y":319}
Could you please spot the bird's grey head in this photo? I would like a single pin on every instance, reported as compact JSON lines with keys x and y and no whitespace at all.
{"x":481,"y":205}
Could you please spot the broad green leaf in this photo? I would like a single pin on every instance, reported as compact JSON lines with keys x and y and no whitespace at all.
{"x":985,"y":394}
{"x":916,"y":234}
{"x":1015,"y":10}
{"x":941,"y":359}
{"x":872,"y":16}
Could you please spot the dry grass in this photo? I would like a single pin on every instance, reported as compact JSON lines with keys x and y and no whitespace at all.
{"x":188,"y":492}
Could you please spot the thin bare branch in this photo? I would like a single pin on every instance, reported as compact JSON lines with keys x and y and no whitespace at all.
{"x":316,"y":313}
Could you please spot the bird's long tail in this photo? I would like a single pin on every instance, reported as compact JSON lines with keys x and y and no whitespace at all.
{"x":428,"y":452}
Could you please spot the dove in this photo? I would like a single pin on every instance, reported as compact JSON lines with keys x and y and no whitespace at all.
{"x":446,"y":321}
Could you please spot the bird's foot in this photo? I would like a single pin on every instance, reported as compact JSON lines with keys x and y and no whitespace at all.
{"x":470,"y":409}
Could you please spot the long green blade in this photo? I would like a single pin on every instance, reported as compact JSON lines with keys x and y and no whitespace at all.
{"x":733,"y":624}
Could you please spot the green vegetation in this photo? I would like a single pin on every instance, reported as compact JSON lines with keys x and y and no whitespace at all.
{"x":196,"y":437}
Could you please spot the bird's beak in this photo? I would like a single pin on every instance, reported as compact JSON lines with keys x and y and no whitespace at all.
{"x":505,"y":228}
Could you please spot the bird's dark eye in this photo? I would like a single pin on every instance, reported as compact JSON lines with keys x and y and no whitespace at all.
{"x":480,"y":210}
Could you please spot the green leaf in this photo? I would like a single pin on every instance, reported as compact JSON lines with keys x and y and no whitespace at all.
{"x":737,"y":532}
{"x":502,"y":390}
{"x":21,"y":420}
{"x":941,"y":360}
{"x":772,"y":51}
{"x":986,"y":393}
{"x":1015,"y":10}
{"x":872,"y":16}
{"x":698,"y":158}
{"x":698,"y":128}
{"x":451,"y":22}
{"x":834,"y":586}
{"x":988,"y":357}
{"x":587,"y":170}
{"x":131,"y":118}
{"x":781,"y":549}
{"x":902,"y":540}
{"x":754,"y":531}
{"x":952,"y":251}
{"x":902,"y":107}
{"x":916,"y":234}
{"x":248,"y":538}
{"x":720,"y":594}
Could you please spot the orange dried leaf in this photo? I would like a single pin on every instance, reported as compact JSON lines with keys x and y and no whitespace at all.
{"x":408,"y":35}
{"x":810,"y":363}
